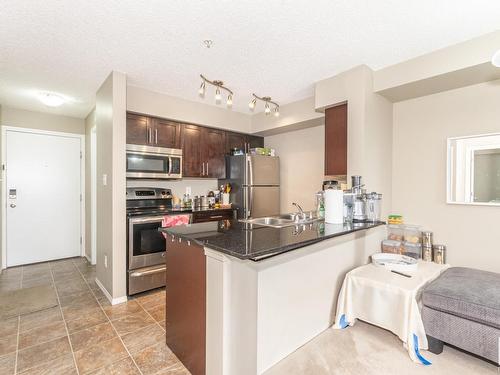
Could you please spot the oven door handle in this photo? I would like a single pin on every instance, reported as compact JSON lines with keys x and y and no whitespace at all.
{"x":148,"y":272}
{"x":143,"y":220}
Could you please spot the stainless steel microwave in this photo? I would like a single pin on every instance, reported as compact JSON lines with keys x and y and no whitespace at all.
{"x":153,"y":162}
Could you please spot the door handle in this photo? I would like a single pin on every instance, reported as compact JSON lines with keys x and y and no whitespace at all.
{"x":12,"y":205}
{"x":156,"y":136}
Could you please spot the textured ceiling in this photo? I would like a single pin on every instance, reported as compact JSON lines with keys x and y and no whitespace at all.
{"x":275,"y":48}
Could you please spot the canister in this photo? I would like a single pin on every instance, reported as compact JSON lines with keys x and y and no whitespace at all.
{"x":439,"y":254}
{"x":427,"y":253}
{"x":427,"y":238}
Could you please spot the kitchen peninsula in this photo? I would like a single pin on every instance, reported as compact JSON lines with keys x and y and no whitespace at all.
{"x":241,"y":296}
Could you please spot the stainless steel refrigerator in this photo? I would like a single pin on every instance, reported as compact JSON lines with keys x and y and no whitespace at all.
{"x":255,"y":184}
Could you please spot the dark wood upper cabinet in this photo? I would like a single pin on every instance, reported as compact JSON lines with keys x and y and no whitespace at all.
{"x":203,"y":152}
{"x":255,"y":141}
{"x":336,"y":140}
{"x":242,"y":141}
{"x":150,"y":131}
{"x":235,"y":140}
{"x":167,"y":133}
{"x":191,"y":151}
{"x":138,"y":129}
{"x":213,"y":151}
{"x":203,"y":148}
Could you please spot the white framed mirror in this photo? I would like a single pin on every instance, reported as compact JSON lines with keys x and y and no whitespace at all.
{"x":473,"y":172}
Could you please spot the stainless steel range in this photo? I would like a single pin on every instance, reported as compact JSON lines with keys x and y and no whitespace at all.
{"x":146,"y":246}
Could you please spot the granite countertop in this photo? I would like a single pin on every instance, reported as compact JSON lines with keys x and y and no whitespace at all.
{"x":256,"y":242}
{"x":140,"y":211}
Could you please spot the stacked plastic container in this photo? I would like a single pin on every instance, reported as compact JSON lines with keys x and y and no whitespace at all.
{"x":403,"y":239}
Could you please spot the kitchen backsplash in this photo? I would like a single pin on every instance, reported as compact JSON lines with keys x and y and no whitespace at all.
{"x":178,"y":187}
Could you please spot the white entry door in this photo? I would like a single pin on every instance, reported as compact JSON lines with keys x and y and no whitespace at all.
{"x":43,"y":183}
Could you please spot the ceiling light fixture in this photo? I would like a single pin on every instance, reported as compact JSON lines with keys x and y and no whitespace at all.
{"x":219,"y":86}
{"x":51,"y":99}
{"x":267,"y":107}
{"x":495,"y":60}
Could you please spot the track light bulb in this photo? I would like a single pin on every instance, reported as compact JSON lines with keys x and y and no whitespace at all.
{"x":229,"y":101}
{"x":276,"y":112}
{"x":267,"y":110}
{"x":218,"y":97}
{"x":201,"y":90}
{"x":251,"y":105}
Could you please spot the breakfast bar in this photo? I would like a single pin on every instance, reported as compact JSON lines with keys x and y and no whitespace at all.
{"x":242,"y":296}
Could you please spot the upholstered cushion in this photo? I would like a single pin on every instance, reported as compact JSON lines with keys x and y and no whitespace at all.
{"x":467,"y":293}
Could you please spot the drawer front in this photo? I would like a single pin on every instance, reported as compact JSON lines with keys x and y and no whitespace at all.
{"x":201,"y":217}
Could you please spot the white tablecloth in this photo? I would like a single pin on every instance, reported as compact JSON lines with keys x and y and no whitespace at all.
{"x":388,"y":300}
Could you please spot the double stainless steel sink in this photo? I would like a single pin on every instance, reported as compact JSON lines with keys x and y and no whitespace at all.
{"x":285,"y":220}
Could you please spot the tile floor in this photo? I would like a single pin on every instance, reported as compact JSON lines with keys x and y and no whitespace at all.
{"x":84,"y":334}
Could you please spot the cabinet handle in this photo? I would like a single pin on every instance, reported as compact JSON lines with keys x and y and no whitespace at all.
{"x":149,"y":135}
{"x":203,"y":166}
{"x":156,"y":136}
{"x":207,"y":168}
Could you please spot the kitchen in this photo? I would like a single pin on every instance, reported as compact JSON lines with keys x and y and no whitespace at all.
{"x":218,"y":189}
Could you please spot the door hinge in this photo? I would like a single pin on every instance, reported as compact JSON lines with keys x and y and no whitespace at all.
{"x":81,"y":240}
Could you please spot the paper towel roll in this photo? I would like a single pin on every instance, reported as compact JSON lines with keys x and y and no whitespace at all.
{"x":334,"y":206}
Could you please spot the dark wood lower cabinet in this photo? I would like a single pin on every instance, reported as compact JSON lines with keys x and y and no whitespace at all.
{"x":186,"y":303}
{"x":215,"y":215}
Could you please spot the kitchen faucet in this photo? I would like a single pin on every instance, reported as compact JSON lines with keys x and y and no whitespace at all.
{"x":302,"y":214}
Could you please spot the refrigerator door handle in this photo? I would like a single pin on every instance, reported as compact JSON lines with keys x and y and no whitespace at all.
{"x":249,"y":171}
{"x":250,"y":201}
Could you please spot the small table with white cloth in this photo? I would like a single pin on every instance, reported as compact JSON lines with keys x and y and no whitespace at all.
{"x":386,"y":299}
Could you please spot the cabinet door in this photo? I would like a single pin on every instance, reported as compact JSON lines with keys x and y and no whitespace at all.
{"x":235,"y":140}
{"x":213,"y":153}
{"x":336,"y":140}
{"x":192,"y":151}
{"x":166,"y":133}
{"x":138,"y":129}
{"x":255,"y":141}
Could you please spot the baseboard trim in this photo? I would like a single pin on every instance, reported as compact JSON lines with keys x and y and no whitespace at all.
{"x":113,"y":301}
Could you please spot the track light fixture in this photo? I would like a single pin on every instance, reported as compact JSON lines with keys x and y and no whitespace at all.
{"x":267,"y":106}
{"x":219,"y":86}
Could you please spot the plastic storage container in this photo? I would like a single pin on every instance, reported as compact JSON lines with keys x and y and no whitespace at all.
{"x":391,"y":246}
{"x":411,"y":249}
{"x":413,"y":234}
{"x":395,"y":232}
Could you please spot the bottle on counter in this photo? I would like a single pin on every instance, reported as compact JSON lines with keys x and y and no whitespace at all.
{"x":439,"y":254}
{"x":320,"y":205}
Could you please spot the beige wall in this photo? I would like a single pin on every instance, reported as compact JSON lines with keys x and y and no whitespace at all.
{"x":302,"y":155}
{"x":421,"y":127}
{"x":459,"y":65}
{"x":89,"y":124}
{"x":111,"y":211}
{"x":38,"y":120}
{"x":293,"y":116}
{"x":369,"y":127}
{"x":166,"y":106}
